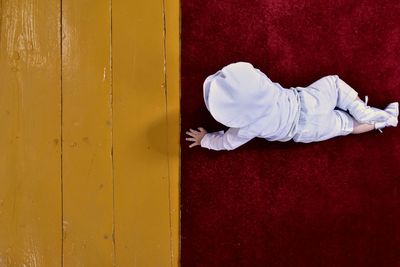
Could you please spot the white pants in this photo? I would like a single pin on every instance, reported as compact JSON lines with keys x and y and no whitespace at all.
{"x":322,"y":112}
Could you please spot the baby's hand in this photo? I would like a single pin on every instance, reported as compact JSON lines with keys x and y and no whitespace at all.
{"x":196,"y":136}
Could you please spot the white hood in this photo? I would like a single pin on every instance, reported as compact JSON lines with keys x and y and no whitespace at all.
{"x":239,"y":94}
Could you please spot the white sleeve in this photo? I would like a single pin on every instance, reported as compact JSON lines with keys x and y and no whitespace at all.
{"x":223,"y":141}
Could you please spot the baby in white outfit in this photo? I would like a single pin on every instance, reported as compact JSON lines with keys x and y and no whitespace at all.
{"x":244,"y":99}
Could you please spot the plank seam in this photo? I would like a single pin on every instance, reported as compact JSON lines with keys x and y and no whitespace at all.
{"x":112,"y":137}
{"x":61,"y":134}
{"x":167,"y":135}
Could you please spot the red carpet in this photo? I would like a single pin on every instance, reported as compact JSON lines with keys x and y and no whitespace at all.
{"x":334,"y":203}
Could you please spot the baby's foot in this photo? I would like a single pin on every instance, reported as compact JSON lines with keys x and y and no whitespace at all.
{"x":366,"y":114}
{"x":393,"y":110}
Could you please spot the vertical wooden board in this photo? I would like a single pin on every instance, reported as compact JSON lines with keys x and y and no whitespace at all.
{"x":172,"y":21}
{"x":87,"y":134}
{"x":140,"y":135}
{"x":30,"y":158}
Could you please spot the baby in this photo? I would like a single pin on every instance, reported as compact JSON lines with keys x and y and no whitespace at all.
{"x":244,"y":99}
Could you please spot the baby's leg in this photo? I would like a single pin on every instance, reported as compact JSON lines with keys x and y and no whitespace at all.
{"x":323,"y":122}
{"x":362,"y":127}
{"x":346,"y":95}
{"x":336,"y":123}
{"x":348,"y":100}
{"x":392,"y":109}
{"x":320,"y":127}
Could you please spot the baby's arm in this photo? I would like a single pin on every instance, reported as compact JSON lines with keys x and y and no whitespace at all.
{"x":218,"y":140}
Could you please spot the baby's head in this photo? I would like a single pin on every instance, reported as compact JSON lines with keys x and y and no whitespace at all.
{"x":236,"y":95}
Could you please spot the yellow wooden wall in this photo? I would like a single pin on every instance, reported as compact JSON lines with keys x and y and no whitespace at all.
{"x":89,"y":133}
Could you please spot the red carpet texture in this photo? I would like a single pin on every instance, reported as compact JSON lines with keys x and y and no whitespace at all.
{"x":333,"y":203}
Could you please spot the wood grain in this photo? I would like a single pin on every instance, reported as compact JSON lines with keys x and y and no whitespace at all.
{"x":30,"y":158}
{"x":87,"y":134}
{"x":89,"y":119}
{"x":140,"y":136}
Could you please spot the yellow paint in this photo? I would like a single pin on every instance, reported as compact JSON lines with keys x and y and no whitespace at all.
{"x":87,"y":134}
{"x":143,"y":172}
{"x":30,"y":158}
{"x":108,"y":194}
{"x":172,"y":45}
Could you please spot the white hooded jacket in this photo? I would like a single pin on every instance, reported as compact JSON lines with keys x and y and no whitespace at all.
{"x":243,"y":98}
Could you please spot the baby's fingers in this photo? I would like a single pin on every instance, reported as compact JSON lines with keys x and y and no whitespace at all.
{"x":192,"y":145}
{"x":191,"y":139}
{"x":189,"y":133}
{"x":193,"y":131}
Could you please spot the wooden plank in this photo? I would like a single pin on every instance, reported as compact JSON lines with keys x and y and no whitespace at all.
{"x":172,"y":48}
{"x":142,"y":201}
{"x":30,"y":158}
{"x":87,"y":134}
